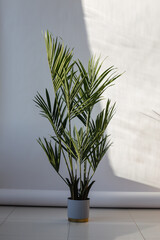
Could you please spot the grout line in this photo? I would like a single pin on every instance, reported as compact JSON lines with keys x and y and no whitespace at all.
{"x":136,"y":224}
{"x":68,"y":230}
{"x":7,"y":216}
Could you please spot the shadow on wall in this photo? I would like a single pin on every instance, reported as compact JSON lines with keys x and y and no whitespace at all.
{"x":108,"y":181}
{"x":62,"y":18}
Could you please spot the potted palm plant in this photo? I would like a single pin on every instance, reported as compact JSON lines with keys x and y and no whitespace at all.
{"x":79,"y":136}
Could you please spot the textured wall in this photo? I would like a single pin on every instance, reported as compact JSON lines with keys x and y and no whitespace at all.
{"x":128,"y":32}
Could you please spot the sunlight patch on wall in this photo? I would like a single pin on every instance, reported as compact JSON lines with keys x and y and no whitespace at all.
{"x":130,"y":39}
{"x":136,"y":151}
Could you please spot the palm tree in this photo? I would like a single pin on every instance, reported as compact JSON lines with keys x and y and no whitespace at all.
{"x":76,"y":92}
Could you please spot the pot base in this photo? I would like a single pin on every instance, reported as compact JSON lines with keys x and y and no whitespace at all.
{"x":78,"y":210}
{"x":78,"y":220}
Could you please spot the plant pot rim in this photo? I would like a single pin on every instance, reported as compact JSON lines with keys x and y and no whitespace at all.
{"x":87,"y":199}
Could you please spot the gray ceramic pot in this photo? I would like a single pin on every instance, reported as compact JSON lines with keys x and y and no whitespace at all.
{"x":78,"y":210}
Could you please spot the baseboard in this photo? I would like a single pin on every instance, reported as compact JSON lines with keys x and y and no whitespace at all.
{"x":97,"y":198}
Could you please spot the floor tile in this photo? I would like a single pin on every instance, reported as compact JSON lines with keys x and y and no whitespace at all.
{"x":5,"y":211}
{"x":150,"y":230}
{"x":109,"y":215}
{"x":104,"y":231}
{"x":1,"y":221}
{"x":6,"y":237}
{"x":49,"y":223}
{"x":40,"y":214}
{"x":145,"y":215}
{"x":154,"y":238}
{"x":34,"y":230}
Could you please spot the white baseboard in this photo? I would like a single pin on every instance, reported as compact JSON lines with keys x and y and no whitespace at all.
{"x":98,"y":198}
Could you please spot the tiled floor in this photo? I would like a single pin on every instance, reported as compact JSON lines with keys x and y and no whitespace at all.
{"x":47,"y":223}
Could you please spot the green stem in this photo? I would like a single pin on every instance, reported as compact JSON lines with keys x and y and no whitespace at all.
{"x":67,"y":92}
{"x":62,"y":178}
{"x":80,"y":173}
{"x":87,"y":131}
{"x":66,"y":164}
{"x":88,"y":172}
{"x":91,"y":176}
{"x":69,"y":154}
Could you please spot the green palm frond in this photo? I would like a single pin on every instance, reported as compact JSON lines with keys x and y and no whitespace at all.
{"x":54,"y":155}
{"x":102,"y":120}
{"x":98,"y":151}
{"x":56,"y":115}
{"x":59,"y":58}
{"x":45,"y":108}
{"x":95,"y":83}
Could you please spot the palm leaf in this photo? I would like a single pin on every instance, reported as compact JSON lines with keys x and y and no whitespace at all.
{"x":59,"y":58}
{"x":54,"y":155}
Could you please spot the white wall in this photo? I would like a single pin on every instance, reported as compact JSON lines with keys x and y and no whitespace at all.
{"x":24,"y":71}
{"x":126,"y":31}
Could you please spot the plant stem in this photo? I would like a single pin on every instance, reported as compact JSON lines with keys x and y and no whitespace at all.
{"x":62,"y":178}
{"x":69,"y":154}
{"x":91,"y":176}
{"x":66,"y":164}
{"x":89,"y":172}
{"x":87,"y":131}
{"x":80,"y":173}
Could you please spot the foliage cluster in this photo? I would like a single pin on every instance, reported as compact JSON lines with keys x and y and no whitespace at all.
{"x":76,"y":92}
